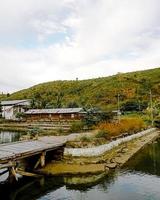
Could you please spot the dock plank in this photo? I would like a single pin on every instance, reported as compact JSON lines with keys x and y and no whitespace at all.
{"x":18,"y":150}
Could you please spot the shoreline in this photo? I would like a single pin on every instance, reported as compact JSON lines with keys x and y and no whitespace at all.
{"x":107,"y":159}
{"x":113,"y":159}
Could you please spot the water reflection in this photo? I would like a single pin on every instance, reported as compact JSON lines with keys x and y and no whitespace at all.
{"x":9,"y":136}
{"x":146,"y":161}
{"x":139,"y":180}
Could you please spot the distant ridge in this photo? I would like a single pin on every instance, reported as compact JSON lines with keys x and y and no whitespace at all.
{"x":99,"y":92}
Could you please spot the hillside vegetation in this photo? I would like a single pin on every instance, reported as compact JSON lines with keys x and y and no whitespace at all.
{"x":3,"y":96}
{"x":99,"y":92}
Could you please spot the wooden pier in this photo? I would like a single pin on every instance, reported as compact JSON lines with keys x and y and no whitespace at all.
{"x":13,"y":153}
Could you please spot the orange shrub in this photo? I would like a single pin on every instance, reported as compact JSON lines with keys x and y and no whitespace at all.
{"x":128,"y":125}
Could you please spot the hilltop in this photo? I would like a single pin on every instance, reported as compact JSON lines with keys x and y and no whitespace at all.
{"x":99,"y":92}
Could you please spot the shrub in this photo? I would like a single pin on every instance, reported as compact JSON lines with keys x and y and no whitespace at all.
{"x":129,"y":125}
{"x":94,"y":116}
{"x":132,"y":105}
{"x":76,"y":126}
{"x":60,"y":130}
{"x":34,"y":132}
{"x":85,"y":139}
{"x":101,"y":134}
{"x":20,"y":115}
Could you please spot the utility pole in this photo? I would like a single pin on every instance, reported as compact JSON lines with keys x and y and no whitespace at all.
{"x":118,"y":105}
{"x":151,"y":107}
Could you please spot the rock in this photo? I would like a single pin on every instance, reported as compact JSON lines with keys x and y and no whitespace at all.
{"x":82,"y":163}
{"x":119,"y":155}
{"x":118,"y":151}
{"x":101,"y":161}
{"x":106,"y":168}
{"x":112,"y":160}
{"x":111,"y":165}
{"x":94,"y":162}
{"x":118,"y":160}
{"x":124,"y":150}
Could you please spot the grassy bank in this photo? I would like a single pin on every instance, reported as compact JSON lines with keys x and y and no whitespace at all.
{"x":105,"y":132}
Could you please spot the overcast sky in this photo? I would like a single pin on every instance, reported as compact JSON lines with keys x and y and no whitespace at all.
{"x":44,"y":40}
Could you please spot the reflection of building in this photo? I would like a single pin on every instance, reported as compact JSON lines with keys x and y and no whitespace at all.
{"x":11,"y":108}
{"x":58,"y":114}
{"x":7,"y":137}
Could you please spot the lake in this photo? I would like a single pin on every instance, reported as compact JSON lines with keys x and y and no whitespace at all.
{"x":9,"y":136}
{"x":138,"y":180}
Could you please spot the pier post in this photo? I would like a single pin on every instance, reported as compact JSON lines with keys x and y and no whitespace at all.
{"x":42,"y":159}
{"x":12,"y":175}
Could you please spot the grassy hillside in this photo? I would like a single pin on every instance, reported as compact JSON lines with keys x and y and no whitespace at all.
{"x":99,"y":92}
{"x":2,"y":96}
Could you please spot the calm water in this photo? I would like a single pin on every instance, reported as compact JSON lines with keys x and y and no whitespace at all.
{"x":139,"y":180}
{"x":9,"y":136}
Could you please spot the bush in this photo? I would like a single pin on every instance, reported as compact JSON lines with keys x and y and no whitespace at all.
{"x":34,"y":132}
{"x":133,"y":106}
{"x":94,"y":116}
{"x":101,"y":134}
{"x":20,"y":115}
{"x":76,"y":126}
{"x":60,"y":130}
{"x":85,"y":139}
{"x":128,"y":125}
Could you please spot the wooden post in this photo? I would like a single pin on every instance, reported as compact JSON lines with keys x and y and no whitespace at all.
{"x":12,"y":175}
{"x":37,"y":164}
{"x":42,"y":181}
{"x":42,"y":159}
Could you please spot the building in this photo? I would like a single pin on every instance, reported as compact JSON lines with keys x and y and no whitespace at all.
{"x":12,"y":107}
{"x":58,"y":114}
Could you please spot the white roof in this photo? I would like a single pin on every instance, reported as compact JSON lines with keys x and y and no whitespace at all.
{"x":55,"y":111}
{"x":22,"y":102}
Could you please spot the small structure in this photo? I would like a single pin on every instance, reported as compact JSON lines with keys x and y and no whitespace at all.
{"x":31,"y":153}
{"x":58,"y":114}
{"x":12,"y":107}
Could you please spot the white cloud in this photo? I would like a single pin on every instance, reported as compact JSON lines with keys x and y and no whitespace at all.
{"x":100,"y":37}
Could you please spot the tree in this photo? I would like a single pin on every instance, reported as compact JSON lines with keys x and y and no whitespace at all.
{"x":33,"y":103}
{"x":94,"y":116}
{"x":34,"y":132}
{"x":20,"y":115}
{"x":134,"y":105}
{"x":57,"y":103}
{"x":72,"y":104}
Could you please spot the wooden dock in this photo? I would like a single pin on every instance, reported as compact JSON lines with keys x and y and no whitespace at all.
{"x":19,"y":150}
{"x":13,"y":153}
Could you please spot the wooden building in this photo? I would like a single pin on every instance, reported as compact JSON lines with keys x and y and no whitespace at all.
{"x":58,"y":114}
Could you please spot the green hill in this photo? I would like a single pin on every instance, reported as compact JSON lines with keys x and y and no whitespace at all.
{"x":99,"y":92}
{"x":2,"y":96}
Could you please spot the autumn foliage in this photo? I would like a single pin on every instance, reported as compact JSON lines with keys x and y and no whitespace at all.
{"x":127,"y":125}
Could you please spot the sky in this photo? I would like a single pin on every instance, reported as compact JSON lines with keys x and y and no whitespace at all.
{"x":46,"y":40}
